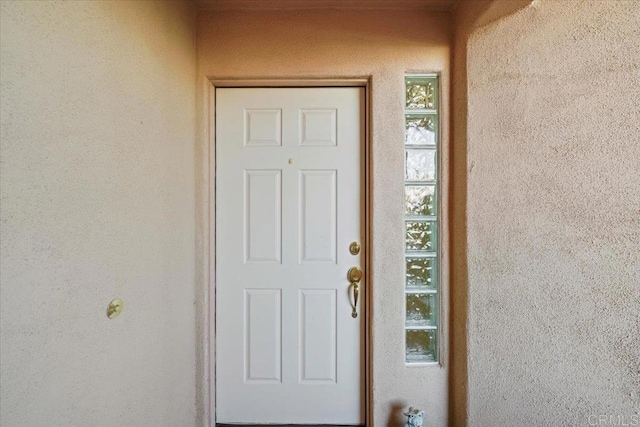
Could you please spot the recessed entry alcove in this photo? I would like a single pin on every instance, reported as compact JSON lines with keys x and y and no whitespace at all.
{"x":319,"y":212}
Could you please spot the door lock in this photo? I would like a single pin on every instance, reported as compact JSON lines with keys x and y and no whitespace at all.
{"x":354,"y":248}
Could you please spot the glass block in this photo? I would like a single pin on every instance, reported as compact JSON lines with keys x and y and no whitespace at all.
{"x":420,"y":165}
{"x":421,"y":235}
{"x":421,"y":92}
{"x":420,"y":199}
{"x":422,"y":310}
{"x":422,"y":346}
{"x":420,"y":130}
{"x":421,"y":273}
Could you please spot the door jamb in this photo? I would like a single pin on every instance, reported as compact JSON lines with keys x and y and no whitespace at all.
{"x":210,"y":302}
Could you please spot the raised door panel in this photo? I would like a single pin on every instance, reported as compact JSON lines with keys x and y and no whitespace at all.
{"x":263,"y":127}
{"x":318,"y":216}
{"x":262,"y":216}
{"x":263,"y":335}
{"x":318,"y":127}
{"x":318,"y":336}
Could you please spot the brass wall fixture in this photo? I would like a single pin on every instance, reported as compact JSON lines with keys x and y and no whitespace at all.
{"x":114,"y":308}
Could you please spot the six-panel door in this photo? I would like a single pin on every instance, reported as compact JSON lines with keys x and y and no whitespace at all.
{"x":289,"y":202}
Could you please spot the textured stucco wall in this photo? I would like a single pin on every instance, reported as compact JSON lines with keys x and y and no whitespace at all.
{"x":553,"y":214}
{"x":383,"y":45}
{"x":97,"y":197}
{"x":468,"y":16}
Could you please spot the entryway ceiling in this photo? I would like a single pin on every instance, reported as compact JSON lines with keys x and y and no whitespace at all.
{"x":425,"y":5}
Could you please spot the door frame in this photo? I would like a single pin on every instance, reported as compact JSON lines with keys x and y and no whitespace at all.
{"x":210,"y":302}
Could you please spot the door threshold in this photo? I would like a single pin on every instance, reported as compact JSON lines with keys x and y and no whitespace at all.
{"x":287,"y":425}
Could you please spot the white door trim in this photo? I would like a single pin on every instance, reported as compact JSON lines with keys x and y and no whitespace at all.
{"x":209,"y":304}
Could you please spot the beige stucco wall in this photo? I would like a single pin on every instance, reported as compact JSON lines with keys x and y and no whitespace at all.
{"x":551,"y":152}
{"x":97,"y":197}
{"x":382,"y":45}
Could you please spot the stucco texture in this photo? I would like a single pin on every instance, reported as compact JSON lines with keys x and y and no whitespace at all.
{"x":553,"y":215}
{"x":97,"y":194}
{"x":333,"y":44}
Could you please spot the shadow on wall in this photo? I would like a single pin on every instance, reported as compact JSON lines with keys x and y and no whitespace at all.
{"x":396,"y":415}
{"x":469,"y":16}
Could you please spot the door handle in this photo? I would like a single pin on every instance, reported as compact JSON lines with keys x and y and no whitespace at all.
{"x":354,"y":275}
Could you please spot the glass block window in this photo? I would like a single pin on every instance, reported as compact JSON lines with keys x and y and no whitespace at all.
{"x":421,"y":288}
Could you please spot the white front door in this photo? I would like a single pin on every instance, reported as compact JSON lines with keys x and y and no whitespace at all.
{"x":289,"y":202}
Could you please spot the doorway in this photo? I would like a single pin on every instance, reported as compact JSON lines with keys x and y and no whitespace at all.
{"x":290,"y":226}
